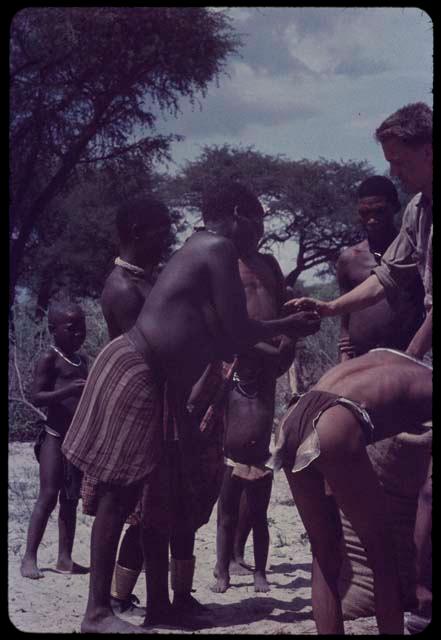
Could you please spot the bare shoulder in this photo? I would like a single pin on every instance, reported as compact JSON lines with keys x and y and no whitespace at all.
{"x":117,"y":289}
{"x":353,"y":252}
{"x":46,"y":360}
{"x":271,"y":261}
{"x":211,"y":246}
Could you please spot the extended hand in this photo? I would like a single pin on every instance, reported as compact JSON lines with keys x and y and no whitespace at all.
{"x":307,"y":304}
{"x":346,"y":348}
{"x":302,"y":323}
{"x":76,"y":387}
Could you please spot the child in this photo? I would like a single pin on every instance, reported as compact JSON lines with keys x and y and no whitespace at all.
{"x":249,"y":417}
{"x":59,"y":380}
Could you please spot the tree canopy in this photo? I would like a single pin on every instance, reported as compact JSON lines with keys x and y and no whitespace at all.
{"x":86,"y":85}
{"x":312,"y":202}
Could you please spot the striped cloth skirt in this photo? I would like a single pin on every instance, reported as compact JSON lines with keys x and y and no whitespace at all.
{"x":116,"y":432}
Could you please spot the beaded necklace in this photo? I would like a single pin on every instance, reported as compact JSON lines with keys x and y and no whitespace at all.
{"x":61,"y":354}
{"x":130,"y":267}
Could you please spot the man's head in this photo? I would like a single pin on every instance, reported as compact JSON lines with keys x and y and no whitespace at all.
{"x":68,"y":326}
{"x":377,"y":204}
{"x":406,"y":138}
{"x":232,"y":209}
{"x":144,"y":225}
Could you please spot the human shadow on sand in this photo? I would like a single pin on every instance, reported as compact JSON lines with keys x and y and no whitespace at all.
{"x":259,"y":608}
{"x":289,"y":569}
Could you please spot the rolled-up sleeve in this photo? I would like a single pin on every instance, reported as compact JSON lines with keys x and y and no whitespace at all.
{"x":400,"y":262}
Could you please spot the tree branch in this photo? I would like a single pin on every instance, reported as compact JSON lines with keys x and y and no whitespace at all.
{"x":20,"y":386}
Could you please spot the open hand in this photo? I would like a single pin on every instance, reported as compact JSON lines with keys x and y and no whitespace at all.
{"x":307,"y":304}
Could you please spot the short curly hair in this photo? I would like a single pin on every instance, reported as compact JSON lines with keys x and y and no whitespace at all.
{"x":59,"y":308}
{"x":226,"y":198}
{"x":412,"y":124}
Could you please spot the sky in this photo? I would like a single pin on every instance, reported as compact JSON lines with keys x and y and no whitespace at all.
{"x":311,"y":82}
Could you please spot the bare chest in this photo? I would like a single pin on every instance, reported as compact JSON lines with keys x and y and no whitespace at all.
{"x":260,"y":289}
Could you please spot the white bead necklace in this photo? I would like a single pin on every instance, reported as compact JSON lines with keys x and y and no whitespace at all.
{"x":130,"y":267}
{"x":61,"y":354}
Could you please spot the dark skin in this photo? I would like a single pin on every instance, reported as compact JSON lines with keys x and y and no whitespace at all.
{"x":57,"y":386}
{"x":249,"y":428}
{"x":204,"y":271}
{"x":387,"y":385}
{"x":122,"y":298}
{"x":378,"y":325}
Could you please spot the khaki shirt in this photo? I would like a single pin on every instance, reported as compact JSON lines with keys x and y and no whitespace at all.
{"x":410,"y":253}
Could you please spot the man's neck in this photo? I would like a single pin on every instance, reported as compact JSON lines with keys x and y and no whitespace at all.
{"x":128,"y":255}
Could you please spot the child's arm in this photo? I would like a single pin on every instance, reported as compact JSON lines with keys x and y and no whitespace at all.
{"x":43,"y":393}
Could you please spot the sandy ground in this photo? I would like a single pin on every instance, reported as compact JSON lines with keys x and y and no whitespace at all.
{"x":56,"y":603}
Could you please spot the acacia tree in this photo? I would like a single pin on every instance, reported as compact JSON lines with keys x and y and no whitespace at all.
{"x":312,"y":202}
{"x":86,"y":85}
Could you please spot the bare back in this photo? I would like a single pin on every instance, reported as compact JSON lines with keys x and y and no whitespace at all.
{"x":122,"y":299}
{"x":393,"y":388}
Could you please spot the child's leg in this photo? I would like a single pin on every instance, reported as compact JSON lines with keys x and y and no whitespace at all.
{"x":238,"y":566}
{"x":51,"y":477}
{"x":258,"y":497}
{"x":346,"y":466}
{"x":320,"y":518}
{"x":66,"y":533}
{"x":228,"y":509}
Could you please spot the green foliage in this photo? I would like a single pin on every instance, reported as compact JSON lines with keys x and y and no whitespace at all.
{"x":71,"y":105}
{"x":75,"y":240}
{"x":28,"y":339}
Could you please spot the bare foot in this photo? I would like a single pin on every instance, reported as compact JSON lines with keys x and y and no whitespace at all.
{"x":71,"y":568}
{"x":29,"y":569}
{"x":240,"y":568}
{"x":221,"y":585}
{"x":260,"y":583}
{"x":109,"y":624}
{"x":164,"y":615}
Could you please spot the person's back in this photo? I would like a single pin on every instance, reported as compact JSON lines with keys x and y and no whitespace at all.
{"x":394,"y":388}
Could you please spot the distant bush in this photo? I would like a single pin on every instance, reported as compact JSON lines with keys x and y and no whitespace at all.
{"x":319,"y":352}
{"x":28,"y":338}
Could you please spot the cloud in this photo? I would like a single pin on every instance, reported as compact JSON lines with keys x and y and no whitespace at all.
{"x":248,"y":98}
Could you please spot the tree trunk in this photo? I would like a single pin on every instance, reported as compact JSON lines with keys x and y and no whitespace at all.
{"x":44,"y":292}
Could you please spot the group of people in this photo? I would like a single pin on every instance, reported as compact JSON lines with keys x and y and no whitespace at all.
{"x":177,"y":410}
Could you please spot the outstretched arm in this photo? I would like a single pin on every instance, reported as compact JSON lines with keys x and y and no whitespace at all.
{"x":365,"y":295}
{"x":230,"y":303}
{"x":345,"y":346}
